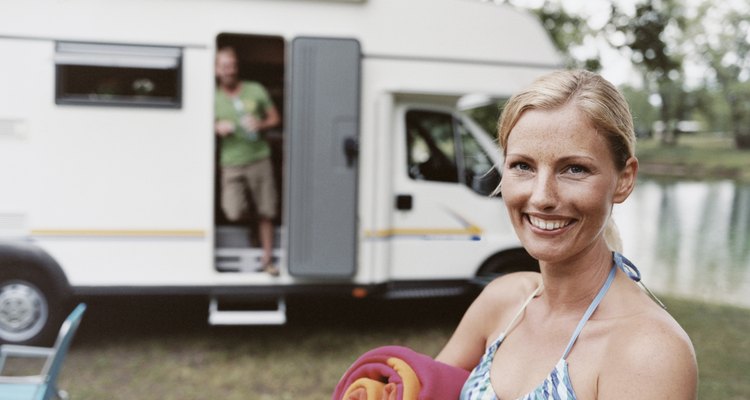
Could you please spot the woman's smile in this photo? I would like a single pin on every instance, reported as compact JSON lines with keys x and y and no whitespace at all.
{"x":547,"y":224}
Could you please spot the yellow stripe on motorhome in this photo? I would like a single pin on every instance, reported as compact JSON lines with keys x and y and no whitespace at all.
{"x":186,"y":233}
{"x":384,"y":233}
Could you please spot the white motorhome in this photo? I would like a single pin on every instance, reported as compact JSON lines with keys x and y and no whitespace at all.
{"x":108,"y":156}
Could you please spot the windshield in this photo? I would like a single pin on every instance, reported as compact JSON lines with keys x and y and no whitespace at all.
{"x":485,"y":114}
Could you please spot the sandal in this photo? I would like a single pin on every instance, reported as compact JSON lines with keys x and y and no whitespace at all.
{"x":269,"y":268}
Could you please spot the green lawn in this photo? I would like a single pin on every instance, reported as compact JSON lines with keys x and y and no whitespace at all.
{"x":698,"y":156}
{"x":168,"y":352}
{"x":721,"y":336}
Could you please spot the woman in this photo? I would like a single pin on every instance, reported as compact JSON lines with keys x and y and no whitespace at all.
{"x":568,"y":143}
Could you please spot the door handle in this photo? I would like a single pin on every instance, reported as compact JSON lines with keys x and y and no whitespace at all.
{"x":404,"y":202}
{"x":351,"y":150}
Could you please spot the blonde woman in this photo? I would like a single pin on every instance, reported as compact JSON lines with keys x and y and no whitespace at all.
{"x":580,"y":329}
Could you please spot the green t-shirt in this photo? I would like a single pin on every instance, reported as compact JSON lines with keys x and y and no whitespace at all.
{"x":238,"y":148}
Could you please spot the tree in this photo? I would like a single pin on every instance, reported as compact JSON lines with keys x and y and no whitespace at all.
{"x":646,"y":36}
{"x":727,"y":53}
{"x":566,"y":31}
{"x":644,"y":113}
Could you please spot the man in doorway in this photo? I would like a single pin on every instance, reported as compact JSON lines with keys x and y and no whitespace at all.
{"x":243,"y":110}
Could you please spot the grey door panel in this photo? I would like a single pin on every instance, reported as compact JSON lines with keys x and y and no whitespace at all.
{"x":322,"y":149}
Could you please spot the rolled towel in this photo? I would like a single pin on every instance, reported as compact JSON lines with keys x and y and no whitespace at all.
{"x":399,"y":373}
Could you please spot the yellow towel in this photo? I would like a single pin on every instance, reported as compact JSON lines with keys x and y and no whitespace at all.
{"x":408,"y":376}
{"x":377,"y":390}
{"x":373,"y":388}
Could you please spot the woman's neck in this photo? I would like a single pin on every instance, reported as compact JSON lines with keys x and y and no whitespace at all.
{"x":570,"y":285}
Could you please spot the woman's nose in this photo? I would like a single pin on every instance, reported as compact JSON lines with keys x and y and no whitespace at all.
{"x":544,"y":192}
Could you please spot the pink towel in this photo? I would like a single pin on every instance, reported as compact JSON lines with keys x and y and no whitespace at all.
{"x":437,"y":380}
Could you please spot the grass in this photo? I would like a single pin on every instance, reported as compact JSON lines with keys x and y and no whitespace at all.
{"x":157,"y":350}
{"x":169,"y":352}
{"x":695,"y":156}
{"x":722,"y":345}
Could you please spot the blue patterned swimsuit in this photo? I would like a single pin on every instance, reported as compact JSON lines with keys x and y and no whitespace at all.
{"x":557,"y":384}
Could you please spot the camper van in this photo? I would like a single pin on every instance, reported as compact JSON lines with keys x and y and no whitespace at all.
{"x":108,"y":155}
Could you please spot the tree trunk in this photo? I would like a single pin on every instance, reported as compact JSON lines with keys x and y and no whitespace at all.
{"x":742,"y":140}
{"x":668,"y":135}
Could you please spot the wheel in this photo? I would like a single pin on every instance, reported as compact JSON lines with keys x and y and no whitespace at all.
{"x":30,"y":311}
{"x":508,"y":261}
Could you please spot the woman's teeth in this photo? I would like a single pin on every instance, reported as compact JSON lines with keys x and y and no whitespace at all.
{"x":549,"y":225}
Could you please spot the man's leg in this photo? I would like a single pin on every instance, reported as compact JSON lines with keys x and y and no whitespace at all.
{"x":266,"y":240}
{"x":264,"y":194}
{"x":233,"y":201}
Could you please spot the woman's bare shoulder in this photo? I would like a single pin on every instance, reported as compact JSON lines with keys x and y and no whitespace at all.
{"x":651,"y":348}
{"x":502,"y":296}
{"x":653,"y":329}
{"x":510,"y":286}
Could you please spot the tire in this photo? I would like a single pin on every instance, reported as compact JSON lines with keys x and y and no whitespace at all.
{"x":31,"y":308}
{"x":508,"y":261}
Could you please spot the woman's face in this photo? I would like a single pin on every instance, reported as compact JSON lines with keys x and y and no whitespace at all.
{"x":560,"y":182}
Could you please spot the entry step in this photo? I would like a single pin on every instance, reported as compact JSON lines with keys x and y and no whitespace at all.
{"x":238,"y":236}
{"x":242,"y":259}
{"x":235,"y":316}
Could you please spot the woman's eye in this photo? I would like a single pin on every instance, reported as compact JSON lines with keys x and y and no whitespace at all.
{"x":577,"y":169}
{"x":520,"y":166}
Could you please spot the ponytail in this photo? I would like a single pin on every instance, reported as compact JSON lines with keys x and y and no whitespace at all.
{"x":612,"y":236}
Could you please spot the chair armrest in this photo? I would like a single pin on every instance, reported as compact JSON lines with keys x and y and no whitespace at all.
{"x":32,"y":379}
{"x":11,"y":350}
{"x":26,"y":351}
{"x":17,"y":351}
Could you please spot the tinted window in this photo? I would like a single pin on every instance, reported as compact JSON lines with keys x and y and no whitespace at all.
{"x":118,"y":75}
{"x":480,"y":173}
{"x":440,"y":148}
{"x":431,"y":153}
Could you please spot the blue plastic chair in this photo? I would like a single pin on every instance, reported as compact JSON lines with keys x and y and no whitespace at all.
{"x":44,"y":385}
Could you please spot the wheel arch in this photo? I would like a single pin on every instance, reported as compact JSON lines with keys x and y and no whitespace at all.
{"x":504,"y":262}
{"x":34,"y":295}
{"x":27,"y":255}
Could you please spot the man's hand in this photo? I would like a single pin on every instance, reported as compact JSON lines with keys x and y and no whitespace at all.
{"x":224,"y":127}
{"x":250,"y":123}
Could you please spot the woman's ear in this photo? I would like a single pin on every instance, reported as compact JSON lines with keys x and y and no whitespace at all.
{"x":626,"y":180}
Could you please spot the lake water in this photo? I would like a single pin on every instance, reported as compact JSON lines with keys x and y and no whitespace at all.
{"x":690,"y":239}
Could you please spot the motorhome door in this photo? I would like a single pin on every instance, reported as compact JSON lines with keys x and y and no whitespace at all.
{"x":322,"y":149}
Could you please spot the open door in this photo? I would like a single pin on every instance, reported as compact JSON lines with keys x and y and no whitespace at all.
{"x":322,"y":149}
{"x":261,"y":60}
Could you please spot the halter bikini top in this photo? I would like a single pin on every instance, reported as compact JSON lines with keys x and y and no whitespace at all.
{"x":557,"y":385}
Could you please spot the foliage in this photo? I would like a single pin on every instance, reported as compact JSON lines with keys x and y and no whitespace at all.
{"x":646,"y":37}
{"x":727,"y":53}
{"x":644,"y":113}
{"x":566,"y":31}
{"x":661,"y":37}
{"x":710,"y":108}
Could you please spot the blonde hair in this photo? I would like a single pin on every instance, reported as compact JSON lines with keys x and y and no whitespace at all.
{"x":596,"y":98}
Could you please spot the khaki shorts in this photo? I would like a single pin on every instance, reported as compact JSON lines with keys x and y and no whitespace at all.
{"x":255,"y":178}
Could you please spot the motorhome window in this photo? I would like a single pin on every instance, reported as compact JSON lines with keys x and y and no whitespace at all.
{"x":431,"y":144}
{"x":118,"y":75}
{"x":479,"y":172}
